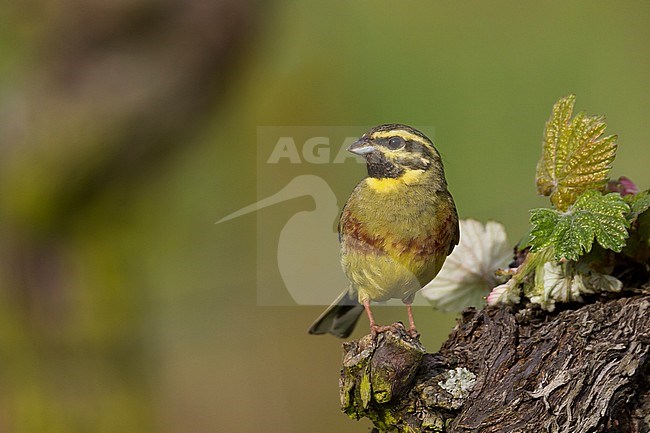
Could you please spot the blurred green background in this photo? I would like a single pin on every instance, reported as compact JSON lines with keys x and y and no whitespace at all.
{"x":127,"y":128}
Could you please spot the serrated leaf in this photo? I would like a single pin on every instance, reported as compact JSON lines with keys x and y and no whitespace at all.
{"x":570,"y":234}
{"x":544,"y":223}
{"x":638,"y":203}
{"x":575,"y":155}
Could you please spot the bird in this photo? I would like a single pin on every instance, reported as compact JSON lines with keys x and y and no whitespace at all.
{"x":395,"y":230}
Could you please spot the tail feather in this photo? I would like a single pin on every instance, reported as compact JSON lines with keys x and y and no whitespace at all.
{"x":339,"y":318}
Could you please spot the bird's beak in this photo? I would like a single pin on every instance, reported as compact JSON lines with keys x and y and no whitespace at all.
{"x":361,"y":147}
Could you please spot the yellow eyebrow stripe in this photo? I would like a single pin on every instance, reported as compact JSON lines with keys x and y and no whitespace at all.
{"x":406,"y":136}
{"x":399,"y":133}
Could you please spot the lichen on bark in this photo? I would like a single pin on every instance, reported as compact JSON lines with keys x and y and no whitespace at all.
{"x":576,"y":370}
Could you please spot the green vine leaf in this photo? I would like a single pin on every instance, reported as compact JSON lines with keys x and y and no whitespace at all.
{"x":575,"y":155}
{"x":638,"y":203}
{"x":570,"y":234}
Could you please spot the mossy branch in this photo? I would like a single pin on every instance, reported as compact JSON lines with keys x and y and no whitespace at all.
{"x":510,"y":370}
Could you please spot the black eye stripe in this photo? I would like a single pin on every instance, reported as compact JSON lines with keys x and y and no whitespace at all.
{"x":418,"y":148}
{"x":412,"y":146}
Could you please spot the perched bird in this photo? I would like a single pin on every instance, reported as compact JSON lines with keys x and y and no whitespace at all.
{"x":396,"y":229}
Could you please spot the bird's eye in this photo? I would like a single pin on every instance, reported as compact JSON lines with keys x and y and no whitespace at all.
{"x":395,"y":142}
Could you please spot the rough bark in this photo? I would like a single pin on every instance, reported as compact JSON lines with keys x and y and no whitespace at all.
{"x":509,"y":370}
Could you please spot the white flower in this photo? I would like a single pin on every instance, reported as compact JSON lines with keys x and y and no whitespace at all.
{"x":468,"y":273}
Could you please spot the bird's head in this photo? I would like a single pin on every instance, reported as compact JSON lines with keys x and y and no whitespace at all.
{"x":393,"y":151}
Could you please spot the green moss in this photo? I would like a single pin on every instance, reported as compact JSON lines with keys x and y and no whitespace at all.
{"x":365,"y":389}
{"x":382,"y":389}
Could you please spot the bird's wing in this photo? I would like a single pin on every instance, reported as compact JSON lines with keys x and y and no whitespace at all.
{"x":341,"y":216}
{"x":456,"y":238}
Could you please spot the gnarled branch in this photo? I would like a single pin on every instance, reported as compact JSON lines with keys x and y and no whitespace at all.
{"x":509,"y":370}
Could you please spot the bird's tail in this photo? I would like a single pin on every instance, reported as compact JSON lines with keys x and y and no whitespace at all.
{"x":340,"y":318}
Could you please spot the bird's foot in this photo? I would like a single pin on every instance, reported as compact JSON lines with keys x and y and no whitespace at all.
{"x":413,"y":333}
{"x":376,"y":329}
